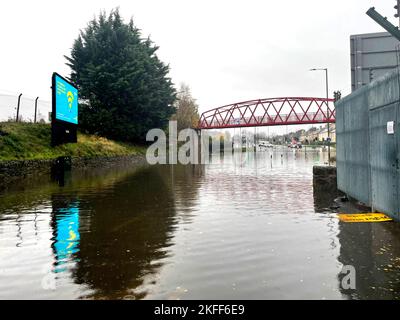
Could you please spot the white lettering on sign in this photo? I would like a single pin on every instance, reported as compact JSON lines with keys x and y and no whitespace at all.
{"x":390,"y":127}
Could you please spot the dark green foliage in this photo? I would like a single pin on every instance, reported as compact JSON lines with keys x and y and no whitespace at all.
{"x":126,"y":86}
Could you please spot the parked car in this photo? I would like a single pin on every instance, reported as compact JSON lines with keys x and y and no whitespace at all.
{"x":297,"y":145}
{"x":265,"y":144}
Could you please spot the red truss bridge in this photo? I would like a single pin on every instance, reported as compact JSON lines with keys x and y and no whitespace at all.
{"x":270,"y":112}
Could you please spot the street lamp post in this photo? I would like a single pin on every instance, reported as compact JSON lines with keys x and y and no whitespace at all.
{"x":327,"y":109}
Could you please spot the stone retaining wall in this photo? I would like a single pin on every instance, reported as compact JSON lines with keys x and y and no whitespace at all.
{"x":13,"y":170}
{"x":324,"y":177}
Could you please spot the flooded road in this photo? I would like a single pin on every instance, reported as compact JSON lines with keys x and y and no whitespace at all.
{"x":243,"y":227}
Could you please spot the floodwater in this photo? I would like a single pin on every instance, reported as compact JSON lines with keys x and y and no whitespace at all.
{"x":245,"y":227}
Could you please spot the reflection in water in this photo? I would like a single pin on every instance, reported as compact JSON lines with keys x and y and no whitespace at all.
{"x":130,"y":228}
{"x":126,"y":231}
{"x":248,"y":226}
{"x":374,"y":251}
{"x":66,"y":240}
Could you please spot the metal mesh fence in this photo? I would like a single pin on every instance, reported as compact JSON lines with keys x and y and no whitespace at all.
{"x":26,"y":110}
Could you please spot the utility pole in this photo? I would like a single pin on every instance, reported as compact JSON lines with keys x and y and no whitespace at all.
{"x":397,"y":7}
{"x":327,"y":109}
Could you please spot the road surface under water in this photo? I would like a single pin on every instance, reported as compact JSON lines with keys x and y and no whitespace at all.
{"x":243,"y":227}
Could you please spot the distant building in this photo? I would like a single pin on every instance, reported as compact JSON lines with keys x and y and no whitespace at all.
{"x":323,"y":133}
{"x":303,"y":138}
{"x":318,"y":134}
{"x":372,"y":55}
{"x":313,"y":136}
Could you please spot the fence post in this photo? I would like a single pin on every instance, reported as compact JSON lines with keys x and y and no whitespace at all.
{"x":35,"y":108}
{"x":19,"y":101}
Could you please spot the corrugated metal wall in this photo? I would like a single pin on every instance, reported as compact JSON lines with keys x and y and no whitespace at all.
{"x":367,"y":156}
{"x":352,"y":137}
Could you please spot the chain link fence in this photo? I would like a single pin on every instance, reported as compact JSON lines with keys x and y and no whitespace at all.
{"x":17,"y":107}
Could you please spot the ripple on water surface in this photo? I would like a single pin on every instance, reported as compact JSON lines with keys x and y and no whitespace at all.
{"x":248,"y":227}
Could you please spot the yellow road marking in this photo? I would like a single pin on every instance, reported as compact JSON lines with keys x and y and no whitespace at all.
{"x":364,"y":217}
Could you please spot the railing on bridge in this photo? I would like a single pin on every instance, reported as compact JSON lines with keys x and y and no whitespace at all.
{"x":270,"y":112}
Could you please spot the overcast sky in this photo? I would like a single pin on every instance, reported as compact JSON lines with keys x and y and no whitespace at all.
{"x":226,"y":51}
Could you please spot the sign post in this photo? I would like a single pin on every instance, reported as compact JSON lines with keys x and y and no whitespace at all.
{"x":64,"y":115}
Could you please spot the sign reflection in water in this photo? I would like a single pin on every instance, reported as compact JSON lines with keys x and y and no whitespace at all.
{"x":66,"y":241}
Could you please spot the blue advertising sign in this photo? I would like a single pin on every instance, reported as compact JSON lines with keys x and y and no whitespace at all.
{"x":66,"y":101}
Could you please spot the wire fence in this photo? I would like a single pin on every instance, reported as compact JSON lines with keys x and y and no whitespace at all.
{"x":17,"y":107}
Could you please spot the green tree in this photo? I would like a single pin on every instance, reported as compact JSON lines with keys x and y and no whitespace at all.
{"x":124,"y":86}
{"x":186,"y":109}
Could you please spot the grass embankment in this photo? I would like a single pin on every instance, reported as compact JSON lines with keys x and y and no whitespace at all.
{"x":26,"y":141}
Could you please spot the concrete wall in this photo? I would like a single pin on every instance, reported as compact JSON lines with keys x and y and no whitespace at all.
{"x":367,"y":156}
{"x":15,"y":170}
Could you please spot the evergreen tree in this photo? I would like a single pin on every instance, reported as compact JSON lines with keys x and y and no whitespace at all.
{"x":124,"y":86}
